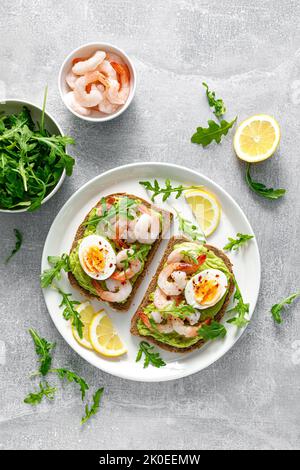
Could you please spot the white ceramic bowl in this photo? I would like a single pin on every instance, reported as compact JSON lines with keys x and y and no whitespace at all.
{"x":87,"y":51}
{"x":12,"y":106}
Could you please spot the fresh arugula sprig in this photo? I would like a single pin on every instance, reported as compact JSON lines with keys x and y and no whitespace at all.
{"x":212,"y":331}
{"x":261,"y":189}
{"x":36,"y":398}
{"x":151,"y":357}
{"x":59,"y":263}
{"x":192,"y":255}
{"x":217,"y":104}
{"x":94,"y":408}
{"x":32,"y":160}
{"x":189,"y":228}
{"x":136,"y":253}
{"x":234,"y":244}
{"x":165,"y":191}
{"x":43,"y":349}
{"x":276,"y":310}
{"x":70,"y":312}
{"x":119,"y":209}
{"x":214,"y":132}
{"x":240,"y":308}
{"x":19,"y":240}
{"x":72,"y":377}
{"x":181,"y":311}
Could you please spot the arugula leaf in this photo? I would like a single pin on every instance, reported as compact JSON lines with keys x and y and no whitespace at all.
{"x":214,"y":132}
{"x":37,"y":397}
{"x":43,"y":349}
{"x":277,"y":308}
{"x":242,"y":309}
{"x":217,"y":104}
{"x":72,"y":377}
{"x":192,"y":255}
{"x":166,"y":191}
{"x":136,"y":253}
{"x":179,"y":311}
{"x":234,"y":244}
{"x":150,"y":356}
{"x":58,"y":263}
{"x":70,"y":312}
{"x":188,"y":228}
{"x":19,"y":240}
{"x":89,"y":412}
{"x":119,"y":209}
{"x":212,"y":331}
{"x":261,"y":189}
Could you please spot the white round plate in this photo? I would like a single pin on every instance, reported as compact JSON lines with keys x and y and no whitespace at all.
{"x":126,"y":179}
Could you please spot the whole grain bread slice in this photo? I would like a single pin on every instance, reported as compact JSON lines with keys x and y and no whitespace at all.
{"x":167,"y":216}
{"x":152,"y":286}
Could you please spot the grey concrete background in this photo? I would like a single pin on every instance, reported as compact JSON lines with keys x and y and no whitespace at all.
{"x":250,"y":53}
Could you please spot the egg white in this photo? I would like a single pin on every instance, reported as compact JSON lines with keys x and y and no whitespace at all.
{"x":206,"y":274}
{"x":110,"y":256}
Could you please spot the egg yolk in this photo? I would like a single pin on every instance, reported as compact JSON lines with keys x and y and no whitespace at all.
{"x":206,"y":290}
{"x":94,"y":259}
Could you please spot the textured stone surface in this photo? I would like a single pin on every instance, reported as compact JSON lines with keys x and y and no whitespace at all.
{"x":249,"y":52}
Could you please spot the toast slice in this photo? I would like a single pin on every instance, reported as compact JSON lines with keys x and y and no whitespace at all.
{"x":174,"y":241}
{"x":167,"y":216}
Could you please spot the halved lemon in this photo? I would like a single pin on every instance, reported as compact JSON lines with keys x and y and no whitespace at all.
{"x":206,"y":209}
{"x":104,"y":338}
{"x":87,"y":313}
{"x":257,"y":138}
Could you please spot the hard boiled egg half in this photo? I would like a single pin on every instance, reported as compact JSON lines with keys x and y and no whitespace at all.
{"x":97,"y":257}
{"x":206,"y":288}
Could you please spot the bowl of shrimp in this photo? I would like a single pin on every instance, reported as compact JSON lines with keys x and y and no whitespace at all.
{"x":97,"y":82}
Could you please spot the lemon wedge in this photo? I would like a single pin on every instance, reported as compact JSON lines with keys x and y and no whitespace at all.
{"x":257,"y":138}
{"x":206,"y":209}
{"x":87,"y":313}
{"x":104,"y":337}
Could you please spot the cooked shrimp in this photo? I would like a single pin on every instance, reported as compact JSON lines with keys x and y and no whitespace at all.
{"x":106,"y":68}
{"x":134,"y":267}
{"x":177,"y":325}
{"x":184,"y":330}
{"x":111,"y":57}
{"x":89,"y":65}
{"x":71,"y":79}
{"x":89,"y":100}
{"x":156,"y":316}
{"x":180,"y":278}
{"x":147,"y":228}
{"x":73,"y":103}
{"x":117,"y":291}
{"x":177,"y":257}
{"x":106,"y":107}
{"x":174,"y":287}
{"x":131,"y":238}
{"x":145,"y":320}
{"x":118,"y":93}
{"x":119,"y":230}
{"x":160,"y":300}
{"x":95,"y":96}
{"x":193,"y":318}
{"x":166,"y":328}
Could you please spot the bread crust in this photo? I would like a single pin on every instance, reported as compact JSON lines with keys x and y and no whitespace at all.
{"x":173,"y":241}
{"x":79,"y":234}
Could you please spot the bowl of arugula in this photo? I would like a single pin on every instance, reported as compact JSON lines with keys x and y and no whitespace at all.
{"x":33,"y":156}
